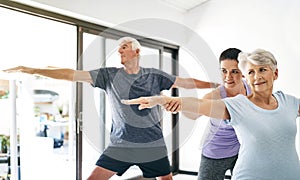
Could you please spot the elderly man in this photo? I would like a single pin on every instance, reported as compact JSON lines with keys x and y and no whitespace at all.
{"x":136,"y":136}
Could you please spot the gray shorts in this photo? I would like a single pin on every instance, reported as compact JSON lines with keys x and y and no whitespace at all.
{"x":215,"y":169}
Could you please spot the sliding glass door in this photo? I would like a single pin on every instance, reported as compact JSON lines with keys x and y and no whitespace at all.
{"x":44,"y":111}
{"x":63,"y":127}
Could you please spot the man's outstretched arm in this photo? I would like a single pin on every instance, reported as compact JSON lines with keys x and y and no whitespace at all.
{"x":55,"y":73}
{"x":191,"y":83}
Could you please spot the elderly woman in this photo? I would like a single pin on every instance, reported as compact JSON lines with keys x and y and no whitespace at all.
{"x":265,"y":122}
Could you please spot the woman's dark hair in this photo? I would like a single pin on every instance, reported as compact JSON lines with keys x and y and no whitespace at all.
{"x":230,"y":53}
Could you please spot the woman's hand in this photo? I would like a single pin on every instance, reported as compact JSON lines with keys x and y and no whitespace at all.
{"x":151,"y":101}
{"x":145,"y":102}
{"x":173,"y":106}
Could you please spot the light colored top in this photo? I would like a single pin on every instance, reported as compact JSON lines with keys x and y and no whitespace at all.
{"x":267,"y":138}
{"x":221,"y":141}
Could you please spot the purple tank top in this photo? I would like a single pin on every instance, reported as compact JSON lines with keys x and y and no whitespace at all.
{"x":221,"y":140}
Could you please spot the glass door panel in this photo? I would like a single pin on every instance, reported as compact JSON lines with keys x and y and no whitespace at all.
{"x":93,"y":107}
{"x":45,"y":127}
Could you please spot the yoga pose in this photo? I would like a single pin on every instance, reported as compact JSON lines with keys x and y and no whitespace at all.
{"x":136,"y":137}
{"x":265,"y":122}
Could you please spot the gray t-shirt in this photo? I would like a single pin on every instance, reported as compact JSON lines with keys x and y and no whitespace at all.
{"x":132,"y":127}
{"x":267,"y":138}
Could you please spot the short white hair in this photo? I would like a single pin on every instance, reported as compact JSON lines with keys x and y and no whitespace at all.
{"x":257,"y":57}
{"x":134,"y":43}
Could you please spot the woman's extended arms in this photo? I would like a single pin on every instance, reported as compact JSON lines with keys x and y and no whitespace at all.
{"x":207,"y":107}
{"x":173,"y":105}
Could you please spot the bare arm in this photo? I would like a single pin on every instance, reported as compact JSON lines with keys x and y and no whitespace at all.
{"x":207,"y":107}
{"x":55,"y":73}
{"x":215,"y":94}
{"x":190,"y":83}
{"x":174,"y":106}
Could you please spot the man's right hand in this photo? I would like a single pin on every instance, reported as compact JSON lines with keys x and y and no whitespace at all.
{"x":22,"y":69}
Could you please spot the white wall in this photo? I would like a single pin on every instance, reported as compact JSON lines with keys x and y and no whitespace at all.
{"x":272,"y":25}
{"x":112,"y":12}
{"x":269,"y":24}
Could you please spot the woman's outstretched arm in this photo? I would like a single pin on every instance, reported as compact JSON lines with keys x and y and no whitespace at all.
{"x":207,"y":107}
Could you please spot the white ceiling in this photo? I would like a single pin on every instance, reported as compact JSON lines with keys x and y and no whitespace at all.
{"x":184,"y":5}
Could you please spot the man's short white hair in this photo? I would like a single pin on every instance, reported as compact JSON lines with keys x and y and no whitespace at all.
{"x":134,"y":43}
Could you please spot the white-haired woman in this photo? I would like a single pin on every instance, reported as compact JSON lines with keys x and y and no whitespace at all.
{"x":265,"y":122}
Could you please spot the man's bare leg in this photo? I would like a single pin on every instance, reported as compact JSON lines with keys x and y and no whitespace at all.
{"x":166,"y":177}
{"x":100,"y":173}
